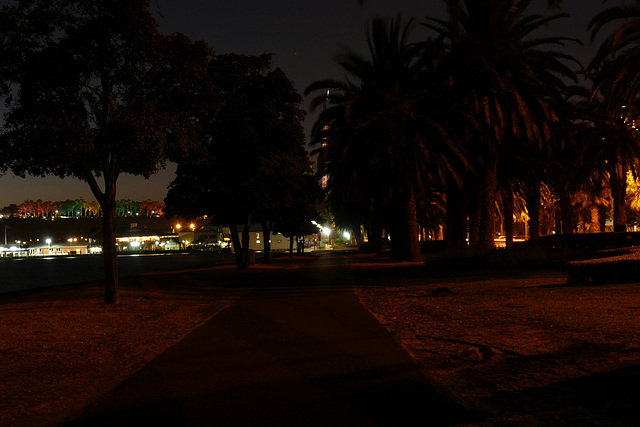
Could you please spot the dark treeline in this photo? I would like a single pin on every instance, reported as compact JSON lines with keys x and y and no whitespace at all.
{"x":485,"y":119}
{"x":118,"y":96}
{"x":481,"y":120}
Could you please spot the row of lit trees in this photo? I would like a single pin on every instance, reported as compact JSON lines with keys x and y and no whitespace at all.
{"x":82,"y":208}
{"x":479,"y":120}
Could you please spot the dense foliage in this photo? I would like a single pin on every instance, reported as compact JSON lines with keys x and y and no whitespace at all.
{"x":94,"y":90}
{"x":251,"y":164}
{"x":483,"y":121}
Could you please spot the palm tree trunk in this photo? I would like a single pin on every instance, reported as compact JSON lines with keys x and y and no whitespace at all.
{"x":488,"y":191}
{"x":456,"y":217}
{"x":602,"y":218}
{"x":475,"y":215}
{"x":508,"y":208}
{"x":557,"y":218}
{"x":404,"y":240}
{"x":533,"y":196}
{"x":595,"y":220}
{"x":413,"y":243}
{"x":618,"y":178}
{"x":568,"y":214}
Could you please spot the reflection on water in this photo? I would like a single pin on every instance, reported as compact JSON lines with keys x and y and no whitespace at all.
{"x":28,"y":273}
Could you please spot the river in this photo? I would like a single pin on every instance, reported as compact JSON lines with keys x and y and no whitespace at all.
{"x":35,"y":272}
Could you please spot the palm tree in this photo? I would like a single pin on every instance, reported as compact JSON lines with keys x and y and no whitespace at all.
{"x":504,"y":80}
{"x":616,"y":65}
{"x":611,"y":145}
{"x":615,"y":72}
{"x":382,"y":139}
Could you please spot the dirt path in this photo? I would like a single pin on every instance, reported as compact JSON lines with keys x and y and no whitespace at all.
{"x":299,"y":349}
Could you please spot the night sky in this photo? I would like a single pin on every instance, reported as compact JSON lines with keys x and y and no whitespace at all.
{"x":302,"y":35}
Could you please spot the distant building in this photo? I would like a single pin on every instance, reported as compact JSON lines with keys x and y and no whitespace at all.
{"x":134,"y":239}
{"x":12,"y":251}
{"x":256,"y":239}
{"x":54,"y":249}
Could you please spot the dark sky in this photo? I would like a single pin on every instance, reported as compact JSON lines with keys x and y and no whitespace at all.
{"x":302,"y":35}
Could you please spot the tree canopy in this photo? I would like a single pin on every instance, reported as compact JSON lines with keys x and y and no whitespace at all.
{"x":94,"y":90}
{"x":252,"y":157}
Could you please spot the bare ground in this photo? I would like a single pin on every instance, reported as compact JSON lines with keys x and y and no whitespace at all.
{"x":520,"y":346}
{"x":62,"y":348}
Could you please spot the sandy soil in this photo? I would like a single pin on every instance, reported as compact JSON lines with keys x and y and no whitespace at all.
{"x":518,"y":345}
{"x":62,"y":348}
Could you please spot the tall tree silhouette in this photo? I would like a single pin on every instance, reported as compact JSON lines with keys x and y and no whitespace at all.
{"x":615,"y":72}
{"x":493,"y":67}
{"x":252,"y":158}
{"x":382,"y":134}
{"x":94,"y":90}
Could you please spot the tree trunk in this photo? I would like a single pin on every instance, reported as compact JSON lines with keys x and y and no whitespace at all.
{"x":533,"y":196}
{"x":237,"y":245}
{"x":413,"y":243}
{"x":568,"y":214}
{"x":245,"y":244}
{"x":241,"y":247}
{"x":595,"y":220}
{"x":618,"y":182}
{"x":404,"y":240}
{"x":299,"y":248}
{"x":508,"y":208}
{"x":266,"y":234}
{"x":475,"y":213}
{"x":489,"y":184}
{"x":109,"y":252}
{"x":455,"y":232}
{"x":557,"y":218}
{"x":602,"y":218}
{"x":374,"y":234}
{"x":357,"y":235}
{"x":291,"y":246}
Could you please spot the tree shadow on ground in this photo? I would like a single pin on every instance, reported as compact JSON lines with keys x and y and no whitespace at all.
{"x":609,"y":398}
